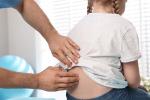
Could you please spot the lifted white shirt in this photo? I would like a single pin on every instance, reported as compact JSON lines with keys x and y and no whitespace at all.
{"x":105,"y":40}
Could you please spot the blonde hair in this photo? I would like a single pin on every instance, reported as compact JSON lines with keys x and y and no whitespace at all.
{"x":114,"y":3}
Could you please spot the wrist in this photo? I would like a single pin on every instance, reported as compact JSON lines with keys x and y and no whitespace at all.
{"x":25,"y":80}
{"x":36,"y":81}
{"x":51,"y":35}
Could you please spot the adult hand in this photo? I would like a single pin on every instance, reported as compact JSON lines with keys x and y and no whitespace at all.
{"x":54,"y":79}
{"x":64,"y":49}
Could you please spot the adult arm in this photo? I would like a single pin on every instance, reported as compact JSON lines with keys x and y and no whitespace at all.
{"x":61,"y":47}
{"x":51,"y":79}
{"x":9,"y":79}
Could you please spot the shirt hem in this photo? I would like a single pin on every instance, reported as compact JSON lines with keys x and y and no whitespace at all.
{"x":131,"y":59}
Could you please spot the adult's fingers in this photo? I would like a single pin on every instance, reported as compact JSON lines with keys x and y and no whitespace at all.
{"x":66,"y":77}
{"x":73,"y":44}
{"x":63,"y":86}
{"x":67,"y":74}
{"x":74,"y":51}
{"x":68,"y":80}
{"x":59,"y":89}
{"x":70,"y":55}
{"x":61,"y":56}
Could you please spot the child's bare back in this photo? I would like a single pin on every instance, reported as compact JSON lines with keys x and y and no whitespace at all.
{"x":87,"y":88}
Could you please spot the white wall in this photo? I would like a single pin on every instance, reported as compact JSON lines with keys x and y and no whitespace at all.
{"x":21,"y":37}
{"x":3,"y":32}
{"x":16,"y":37}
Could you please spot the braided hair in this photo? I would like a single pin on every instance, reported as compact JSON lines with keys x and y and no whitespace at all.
{"x":115,"y":5}
{"x":89,"y":7}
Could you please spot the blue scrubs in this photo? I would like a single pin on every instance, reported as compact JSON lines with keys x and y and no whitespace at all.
{"x":9,"y":3}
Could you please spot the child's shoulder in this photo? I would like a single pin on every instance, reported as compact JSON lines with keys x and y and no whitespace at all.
{"x":108,"y":18}
{"x":124,"y":21}
{"x":120,"y":22}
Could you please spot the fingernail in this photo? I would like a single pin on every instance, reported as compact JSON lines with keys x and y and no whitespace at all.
{"x":78,"y":48}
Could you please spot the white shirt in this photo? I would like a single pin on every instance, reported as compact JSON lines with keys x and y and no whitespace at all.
{"x":105,"y":40}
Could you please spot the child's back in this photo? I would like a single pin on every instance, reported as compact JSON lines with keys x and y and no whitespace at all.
{"x":102,"y":37}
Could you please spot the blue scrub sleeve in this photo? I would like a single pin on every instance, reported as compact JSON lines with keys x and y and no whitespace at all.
{"x":9,"y":3}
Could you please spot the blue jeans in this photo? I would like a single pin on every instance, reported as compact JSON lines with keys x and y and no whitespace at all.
{"x":119,"y":94}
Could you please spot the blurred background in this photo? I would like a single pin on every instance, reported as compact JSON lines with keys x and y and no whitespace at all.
{"x":18,"y":38}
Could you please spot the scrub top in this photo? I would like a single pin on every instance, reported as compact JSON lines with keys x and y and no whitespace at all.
{"x":9,"y":3}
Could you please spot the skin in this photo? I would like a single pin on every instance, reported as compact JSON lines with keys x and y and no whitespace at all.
{"x":51,"y":79}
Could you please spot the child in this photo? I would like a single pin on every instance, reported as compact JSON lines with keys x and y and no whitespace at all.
{"x":108,"y":67}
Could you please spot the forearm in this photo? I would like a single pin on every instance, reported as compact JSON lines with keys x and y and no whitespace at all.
{"x":135,"y":84}
{"x":34,"y":16}
{"x":10,"y":79}
{"x":131,"y":73}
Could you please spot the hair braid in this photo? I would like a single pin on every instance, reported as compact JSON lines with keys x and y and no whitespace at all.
{"x":116,"y":6}
{"x":89,"y":7}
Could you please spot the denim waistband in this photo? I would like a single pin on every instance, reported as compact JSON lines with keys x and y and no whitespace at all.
{"x":119,"y":94}
{"x":102,"y":97}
